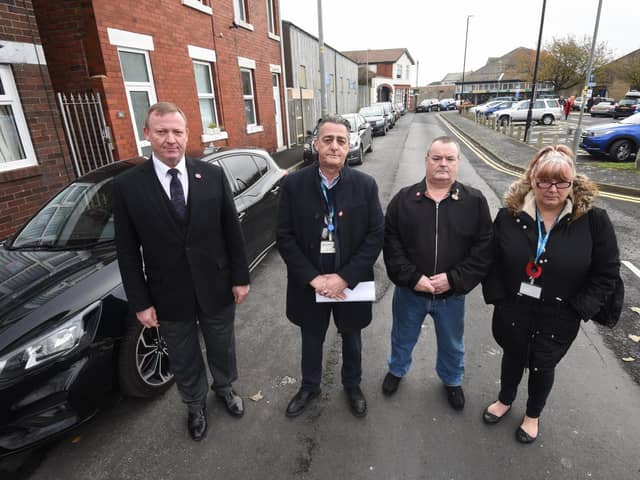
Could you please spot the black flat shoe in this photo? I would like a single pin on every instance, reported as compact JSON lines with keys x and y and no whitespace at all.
{"x":524,"y":437}
{"x":357,"y":401}
{"x":197,"y":424}
{"x":300,"y":401}
{"x":490,"y":418}
{"x":390,"y":384}
{"x":233,"y":402}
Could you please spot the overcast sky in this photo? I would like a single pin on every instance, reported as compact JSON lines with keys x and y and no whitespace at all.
{"x":433,"y":31}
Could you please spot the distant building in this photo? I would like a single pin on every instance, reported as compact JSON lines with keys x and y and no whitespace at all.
{"x":610,"y":80}
{"x":501,"y":76}
{"x":387,"y":75}
{"x":302,"y":66}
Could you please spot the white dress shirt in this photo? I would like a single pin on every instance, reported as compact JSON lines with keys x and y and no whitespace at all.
{"x":162,"y":171}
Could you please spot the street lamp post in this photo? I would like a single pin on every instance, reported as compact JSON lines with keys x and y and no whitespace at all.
{"x":464,"y":61}
{"x":535,"y":75}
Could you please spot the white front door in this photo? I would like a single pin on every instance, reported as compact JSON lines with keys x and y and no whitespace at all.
{"x":275,"y":81}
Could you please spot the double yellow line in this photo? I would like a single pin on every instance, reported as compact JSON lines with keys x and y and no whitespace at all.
{"x":514,"y":172}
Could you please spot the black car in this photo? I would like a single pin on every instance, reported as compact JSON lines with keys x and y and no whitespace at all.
{"x":67,"y":338}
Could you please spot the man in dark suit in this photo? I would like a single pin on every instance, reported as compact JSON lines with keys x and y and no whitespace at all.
{"x":330,"y":233}
{"x":182,"y":259}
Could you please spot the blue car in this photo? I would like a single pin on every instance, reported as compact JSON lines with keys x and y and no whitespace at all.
{"x":501,"y":106}
{"x":618,"y":140}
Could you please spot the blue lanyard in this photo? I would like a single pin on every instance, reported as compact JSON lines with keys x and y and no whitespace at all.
{"x":542,"y":241}
{"x":330,"y":225}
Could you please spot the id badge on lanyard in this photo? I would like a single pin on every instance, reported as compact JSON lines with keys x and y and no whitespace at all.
{"x":533,"y":268}
{"x":327,"y":244}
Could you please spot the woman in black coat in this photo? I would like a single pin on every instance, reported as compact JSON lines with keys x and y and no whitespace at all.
{"x":556,"y":260}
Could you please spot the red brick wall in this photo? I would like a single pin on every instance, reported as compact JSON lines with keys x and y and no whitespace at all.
{"x":24,"y":190}
{"x":173,"y":26}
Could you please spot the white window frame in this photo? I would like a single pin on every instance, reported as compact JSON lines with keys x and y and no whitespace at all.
{"x":400,"y":69}
{"x":200,"y":5}
{"x":148,"y":87}
{"x":271,"y":20}
{"x":11,"y":97}
{"x":240,"y":16}
{"x":246,"y":66}
{"x":209,"y":136}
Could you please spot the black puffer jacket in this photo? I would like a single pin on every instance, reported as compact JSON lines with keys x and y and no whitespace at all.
{"x":423,"y":237}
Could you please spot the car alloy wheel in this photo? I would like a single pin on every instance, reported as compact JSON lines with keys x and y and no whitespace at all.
{"x":621,"y":150}
{"x":504,"y":121}
{"x":547,"y":119}
{"x":153,"y":357}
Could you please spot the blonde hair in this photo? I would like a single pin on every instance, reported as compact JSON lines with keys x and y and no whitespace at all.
{"x":550,"y":161}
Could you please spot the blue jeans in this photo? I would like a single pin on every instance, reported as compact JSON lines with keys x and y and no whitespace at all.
{"x":409,"y":312}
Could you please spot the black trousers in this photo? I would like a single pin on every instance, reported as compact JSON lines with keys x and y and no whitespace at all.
{"x":313,"y":332}
{"x":186,"y":359}
{"x":539,"y":384}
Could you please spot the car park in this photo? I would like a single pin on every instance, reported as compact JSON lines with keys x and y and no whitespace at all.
{"x":376,"y":118}
{"x":618,"y":140}
{"x":627,"y":104}
{"x":602,"y":109}
{"x":67,"y":337}
{"x":544,"y":111}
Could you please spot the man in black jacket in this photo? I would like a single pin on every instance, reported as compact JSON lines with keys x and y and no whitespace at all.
{"x":437,"y":248}
{"x":182,"y":259}
{"x":329,"y":234}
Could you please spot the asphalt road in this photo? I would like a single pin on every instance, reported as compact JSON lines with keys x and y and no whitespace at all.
{"x":589,"y":430}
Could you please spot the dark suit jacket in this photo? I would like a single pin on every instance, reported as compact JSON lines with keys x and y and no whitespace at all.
{"x":179,"y":264}
{"x":360,"y":235}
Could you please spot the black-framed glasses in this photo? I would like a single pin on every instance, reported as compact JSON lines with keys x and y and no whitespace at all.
{"x":559,"y":185}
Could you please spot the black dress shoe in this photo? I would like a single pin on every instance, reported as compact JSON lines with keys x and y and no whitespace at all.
{"x":390,"y":384}
{"x":299,"y":402}
{"x":357,"y":401}
{"x":492,"y":419}
{"x":455,"y":396}
{"x":197,"y":424}
{"x":233,"y":402}
{"x":524,"y":437}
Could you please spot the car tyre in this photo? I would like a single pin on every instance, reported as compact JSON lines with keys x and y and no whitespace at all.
{"x":143,"y":362}
{"x":621,"y":150}
{"x":547,"y":119}
{"x":360,"y":155}
{"x":504,"y":121}
{"x":370,"y":149}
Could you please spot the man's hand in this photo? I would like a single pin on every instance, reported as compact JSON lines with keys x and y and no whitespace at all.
{"x":318,"y":283}
{"x":424,"y":285}
{"x":240,"y":293}
{"x":148,"y":317}
{"x":335,"y":286}
{"x":440,"y":283}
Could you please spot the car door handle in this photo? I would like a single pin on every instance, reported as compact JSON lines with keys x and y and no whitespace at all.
{"x":241,"y":215}
{"x":274,"y":190}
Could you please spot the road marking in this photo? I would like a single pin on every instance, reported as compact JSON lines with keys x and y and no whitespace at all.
{"x":517,"y":173}
{"x":631,"y":267}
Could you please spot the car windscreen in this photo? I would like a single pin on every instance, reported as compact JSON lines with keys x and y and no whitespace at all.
{"x":80,"y":216}
{"x":371,"y":111}
{"x":628,"y":101}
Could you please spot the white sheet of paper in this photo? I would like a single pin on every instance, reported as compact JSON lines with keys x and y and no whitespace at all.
{"x":364,"y":292}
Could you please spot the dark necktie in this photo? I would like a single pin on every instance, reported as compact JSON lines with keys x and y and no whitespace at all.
{"x":177,"y":195}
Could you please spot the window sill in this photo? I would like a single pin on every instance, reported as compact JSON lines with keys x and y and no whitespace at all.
{"x":19,"y":173}
{"x":275,"y":37}
{"x":243,"y":24}
{"x":213,"y":137}
{"x":195,"y":4}
{"x":254,"y":129}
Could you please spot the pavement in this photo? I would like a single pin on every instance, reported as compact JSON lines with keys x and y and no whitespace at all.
{"x":514,"y":153}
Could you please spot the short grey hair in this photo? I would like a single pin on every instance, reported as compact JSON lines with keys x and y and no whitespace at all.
{"x":333,"y":119}
{"x":444,"y":139}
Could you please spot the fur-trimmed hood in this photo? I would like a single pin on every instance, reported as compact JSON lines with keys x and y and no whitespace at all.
{"x":583,"y":192}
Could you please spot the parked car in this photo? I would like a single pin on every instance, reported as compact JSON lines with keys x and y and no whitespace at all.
{"x":602,"y":109}
{"x":428,"y":105}
{"x":376,"y":118}
{"x":495,"y":108}
{"x":389,"y":113}
{"x":448,"y":104}
{"x":67,"y":338}
{"x":402,"y":108}
{"x":481,"y":109}
{"x":627,"y":104}
{"x":619,"y":140}
{"x":544,"y":111}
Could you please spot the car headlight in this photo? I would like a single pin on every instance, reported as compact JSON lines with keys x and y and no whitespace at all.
{"x":597,"y":133}
{"x":354,"y":141}
{"x":61,"y":340}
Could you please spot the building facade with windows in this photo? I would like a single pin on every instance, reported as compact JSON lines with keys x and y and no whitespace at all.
{"x":219,"y":61}
{"x":302,"y":65}
{"x":34,"y":161}
{"x":387,"y":75}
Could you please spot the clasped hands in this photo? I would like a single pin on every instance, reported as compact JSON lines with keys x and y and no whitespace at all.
{"x":435,"y":284}
{"x":330,"y":285}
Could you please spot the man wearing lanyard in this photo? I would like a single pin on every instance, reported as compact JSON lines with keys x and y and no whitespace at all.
{"x":329,"y":233}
